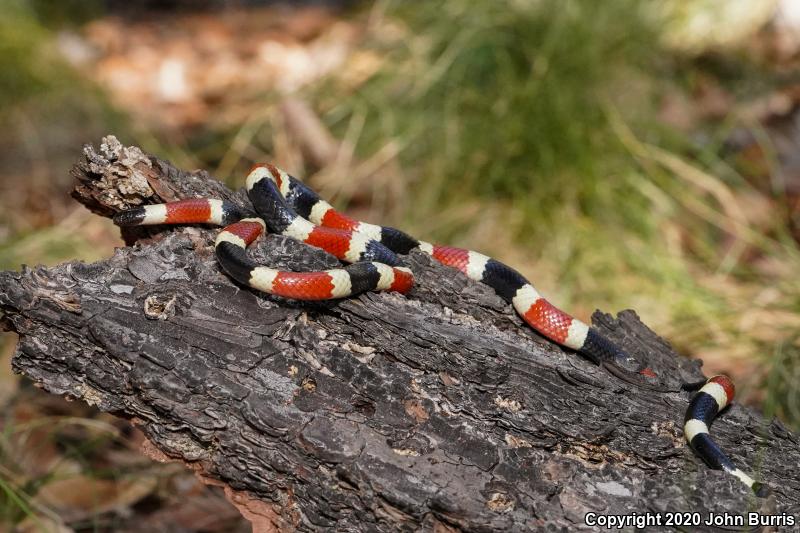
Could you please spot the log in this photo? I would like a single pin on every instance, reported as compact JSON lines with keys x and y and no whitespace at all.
{"x":439,"y":410}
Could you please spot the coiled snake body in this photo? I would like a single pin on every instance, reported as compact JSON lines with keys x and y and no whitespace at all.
{"x":288,"y":207}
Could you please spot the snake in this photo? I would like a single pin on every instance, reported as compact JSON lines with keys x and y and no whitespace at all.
{"x":286,"y":206}
{"x":715,"y":394}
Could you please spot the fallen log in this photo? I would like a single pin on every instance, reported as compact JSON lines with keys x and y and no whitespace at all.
{"x":437,"y":410}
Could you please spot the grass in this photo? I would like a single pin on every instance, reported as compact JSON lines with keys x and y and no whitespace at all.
{"x":56,"y":464}
{"x":783,"y":398}
{"x":506,"y":102}
{"x":49,"y":111}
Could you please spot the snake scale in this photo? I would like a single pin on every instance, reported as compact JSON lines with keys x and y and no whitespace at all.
{"x":288,"y":207}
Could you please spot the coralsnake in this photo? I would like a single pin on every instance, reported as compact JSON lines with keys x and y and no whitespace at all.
{"x":288,"y":207}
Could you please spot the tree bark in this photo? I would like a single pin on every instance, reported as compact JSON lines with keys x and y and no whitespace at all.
{"x":438,"y":410}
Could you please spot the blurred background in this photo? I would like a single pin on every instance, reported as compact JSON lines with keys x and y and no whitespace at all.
{"x":629,"y":154}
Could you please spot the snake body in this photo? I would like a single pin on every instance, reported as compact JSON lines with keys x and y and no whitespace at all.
{"x":509,"y":284}
{"x":288,"y":207}
{"x":374,"y":267}
{"x":712,"y":398}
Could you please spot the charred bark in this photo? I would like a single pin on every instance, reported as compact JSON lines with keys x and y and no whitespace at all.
{"x":384,"y":412}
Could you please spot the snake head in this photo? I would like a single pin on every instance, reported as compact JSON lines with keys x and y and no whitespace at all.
{"x":266,"y":170}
